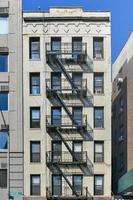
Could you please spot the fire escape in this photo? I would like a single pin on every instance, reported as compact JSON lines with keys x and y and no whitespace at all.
{"x":68,"y":128}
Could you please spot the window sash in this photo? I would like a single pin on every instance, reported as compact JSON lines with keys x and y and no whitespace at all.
{"x":3,"y":62}
{"x":3,"y":25}
{"x":35,"y":185}
{"x":3,"y":178}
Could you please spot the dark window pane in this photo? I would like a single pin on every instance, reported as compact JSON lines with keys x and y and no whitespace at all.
{"x":56,"y":116}
{"x":98,"y":83}
{"x":77,"y":184}
{"x":3,"y":140}
{"x":34,"y":117}
{"x":98,"y":48}
{"x":4,"y":101}
{"x":77,"y":115}
{"x":98,"y":185}
{"x":56,"y":44}
{"x":56,"y":81}
{"x":35,"y":83}
{"x":99,"y":117}
{"x":3,"y":178}
{"x":56,"y":185}
{"x":77,"y":79}
{"x":34,"y":48}
{"x":35,"y":151}
{"x":3,"y":62}
{"x":35,"y":185}
{"x":76,"y":45}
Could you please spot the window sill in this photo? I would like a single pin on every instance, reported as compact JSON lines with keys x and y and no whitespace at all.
{"x":3,"y":150}
{"x":35,"y":163}
{"x":35,"y":129}
{"x":100,"y":94}
{"x":99,"y":163}
{"x":98,"y":59}
{"x":99,"y":128}
{"x":39,"y":94}
{"x":39,"y":59}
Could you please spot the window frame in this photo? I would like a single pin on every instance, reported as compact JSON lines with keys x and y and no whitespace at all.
{"x":34,"y":74}
{"x":32,"y":160}
{"x":7,"y":57}
{"x":31,"y":185}
{"x":31,"y":120}
{"x":102,"y":143}
{"x":4,"y":186}
{"x":31,"y":51}
{"x":98,"y":39}
{"x":102,"y":120}
{"x":6,"y":108}
{"x":98,"y":74}
{"x":102,"y":187}
{"x":7,"y":24}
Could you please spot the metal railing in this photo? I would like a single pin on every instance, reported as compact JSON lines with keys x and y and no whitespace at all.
{"x":67,"y":48}
{"x":65,"y":86}
{"x":63,"y":121}
{"x":65,"y":191}
{"x":66,"y":158}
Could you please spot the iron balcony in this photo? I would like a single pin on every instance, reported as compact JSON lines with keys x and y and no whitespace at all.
{"x":66,"y":193}
{"x":63,"y":121}
{"x":67,"y":52}
{"x":65,"y":158}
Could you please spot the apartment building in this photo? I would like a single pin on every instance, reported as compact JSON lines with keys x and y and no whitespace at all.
{"x":11,"y":132}
{"x":67,"y":104}
{"x":122,"y":126}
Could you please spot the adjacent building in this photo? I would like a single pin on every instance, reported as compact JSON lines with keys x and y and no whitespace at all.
{"x":11,"y":130}
{"x":67,"y":104}
{"x":122,"y":117}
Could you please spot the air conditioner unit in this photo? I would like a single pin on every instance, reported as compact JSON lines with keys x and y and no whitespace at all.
{"x":4,"y":88}
{"x":98,"y":56}
{"x":121,"y":138}
{"x":98,"y":91}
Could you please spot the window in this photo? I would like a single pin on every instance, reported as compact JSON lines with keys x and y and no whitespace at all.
{"x":34,"y":83}
{"x":98,"y":83}
{"x":35,"y":151}
{"x":3,"y":178}
{"x":56,"y":116}
{"x":34,"y":48}
{"x":4,"y":101}
{"x":3,"y":25}
{"x":77,"y":115}
{"x":56,"y":151}
{"x":56,"y":185}
{"x":3,"y":140}
{"x":98,"y":117}
{"x":99,"y":152}
{"x":77,"y":79}
{"x":3,"y":62}
{"x":77,"y":149}
{"x":76,"y":45}
{"x":98,"y":185}
{"x":56,"y":81}
{"x":77,"y":184}
{"x":35,"y":117}
{"x":35,"y":185}
{"x":56,"y":44}
{"x":98,"y":48}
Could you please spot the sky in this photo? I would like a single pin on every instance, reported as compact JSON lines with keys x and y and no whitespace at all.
{"x":121,"y":14}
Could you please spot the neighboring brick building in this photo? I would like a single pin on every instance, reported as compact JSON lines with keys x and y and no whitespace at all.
{"x":122,"y":120}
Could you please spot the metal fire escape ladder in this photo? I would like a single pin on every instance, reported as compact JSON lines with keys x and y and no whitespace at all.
{"x":66,"y":179}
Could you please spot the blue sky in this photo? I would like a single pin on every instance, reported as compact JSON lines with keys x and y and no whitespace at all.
{"x":122,"y":15}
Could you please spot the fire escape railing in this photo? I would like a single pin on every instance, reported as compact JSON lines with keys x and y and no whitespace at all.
{"x":56,"y":58}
